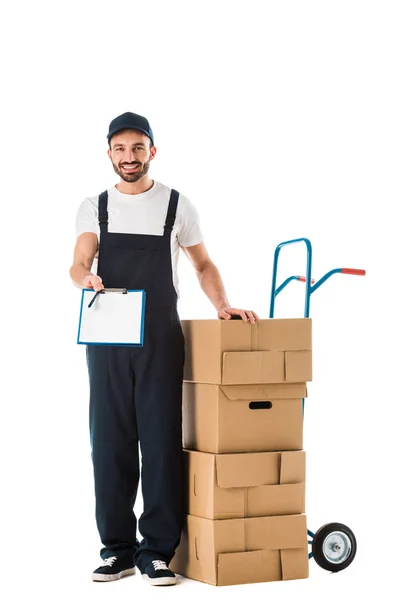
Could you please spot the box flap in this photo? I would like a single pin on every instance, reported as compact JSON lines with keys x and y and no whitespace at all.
{"x":253,"y":367}
{"x":295,"y":564}
{"x":273,"y":500}
{"x":248,"y":470}
{"x":276,"y":533}
{"x":298,"y":365}
{"x":248,"y":567}
{"x":293,"y":467}
{"x":265,"y":392}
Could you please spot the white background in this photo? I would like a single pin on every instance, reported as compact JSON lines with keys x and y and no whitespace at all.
{"x":278,"y":120}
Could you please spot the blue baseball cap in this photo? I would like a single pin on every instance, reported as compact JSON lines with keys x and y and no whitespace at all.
{"x":130,"y":120}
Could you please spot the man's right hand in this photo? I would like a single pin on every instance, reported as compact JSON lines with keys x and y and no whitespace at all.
{"x":94,"y":282}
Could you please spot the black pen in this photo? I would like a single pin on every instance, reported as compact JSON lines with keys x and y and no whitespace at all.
{"x":93,"y":299}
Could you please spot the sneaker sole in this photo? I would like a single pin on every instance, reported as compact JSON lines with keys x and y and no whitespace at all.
{"x":159,"y":580}
{"x":103,"y":577}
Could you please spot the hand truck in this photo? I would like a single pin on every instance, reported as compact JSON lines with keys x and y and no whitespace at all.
{"x":334,"y":545}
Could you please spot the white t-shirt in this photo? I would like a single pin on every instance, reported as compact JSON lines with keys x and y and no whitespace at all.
{"x":145,"y":214}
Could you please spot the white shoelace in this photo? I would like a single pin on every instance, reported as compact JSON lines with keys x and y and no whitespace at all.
{"x":159,"y":565}
{"x":108,"y":562}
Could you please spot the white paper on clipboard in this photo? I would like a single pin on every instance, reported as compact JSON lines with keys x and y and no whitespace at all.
{"x":116,"y":317}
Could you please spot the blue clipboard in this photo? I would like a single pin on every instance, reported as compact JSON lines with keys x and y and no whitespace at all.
{"x":114,"y":316}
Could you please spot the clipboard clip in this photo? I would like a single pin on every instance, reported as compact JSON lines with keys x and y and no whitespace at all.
{"x":106,"y":291}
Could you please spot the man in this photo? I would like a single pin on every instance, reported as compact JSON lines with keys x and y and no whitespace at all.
{"x":134,"y":231}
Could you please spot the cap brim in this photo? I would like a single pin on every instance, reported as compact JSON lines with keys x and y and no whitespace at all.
{"x":109,"y":135}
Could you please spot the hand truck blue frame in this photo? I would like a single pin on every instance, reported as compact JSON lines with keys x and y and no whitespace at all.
{"x":334,"y":545}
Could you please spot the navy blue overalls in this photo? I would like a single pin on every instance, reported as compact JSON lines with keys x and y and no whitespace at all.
{"x":136,"y":397}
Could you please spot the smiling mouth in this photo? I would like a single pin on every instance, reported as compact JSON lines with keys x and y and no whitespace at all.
{"x":130,"y":168}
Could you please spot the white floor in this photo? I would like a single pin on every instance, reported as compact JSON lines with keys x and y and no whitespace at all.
{"x":60,"y":549}
{"x":52,"y":575}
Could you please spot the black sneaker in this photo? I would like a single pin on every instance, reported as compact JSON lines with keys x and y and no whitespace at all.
{"x":156,"y":572}
{"x":114,"y":568}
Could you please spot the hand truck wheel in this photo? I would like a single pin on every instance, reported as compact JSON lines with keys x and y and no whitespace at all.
{"x":334,"y":547}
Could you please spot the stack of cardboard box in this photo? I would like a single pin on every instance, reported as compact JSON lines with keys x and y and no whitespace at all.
{"x":244,"y":463}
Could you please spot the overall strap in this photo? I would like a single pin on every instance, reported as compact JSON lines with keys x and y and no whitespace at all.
{"x":103,"y":212}
{"x":171,"y":214}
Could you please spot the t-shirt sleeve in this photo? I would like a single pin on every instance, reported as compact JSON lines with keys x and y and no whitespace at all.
{"x":189,"y":232}
{"x":86,"y":218}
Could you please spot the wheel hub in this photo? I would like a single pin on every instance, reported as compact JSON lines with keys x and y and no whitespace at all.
{"x":337,"y":547}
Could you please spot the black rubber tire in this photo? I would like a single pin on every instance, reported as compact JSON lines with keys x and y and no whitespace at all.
{"x":318,"y":544}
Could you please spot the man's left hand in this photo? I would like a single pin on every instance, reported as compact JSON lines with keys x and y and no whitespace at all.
{"x":247,"y":315}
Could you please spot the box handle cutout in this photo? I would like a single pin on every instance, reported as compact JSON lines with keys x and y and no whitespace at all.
{"x":264,"y":404}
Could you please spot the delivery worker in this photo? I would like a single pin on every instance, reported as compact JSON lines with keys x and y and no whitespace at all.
{"x":129,"y":237}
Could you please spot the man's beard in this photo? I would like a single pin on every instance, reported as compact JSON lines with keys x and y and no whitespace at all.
{"x":132,"y":177}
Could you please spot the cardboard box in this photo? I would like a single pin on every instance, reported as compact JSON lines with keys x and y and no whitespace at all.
{"x":234,"y":486}
{"x":235,"y":352}
{"x":235,"y":551}
{"x":221,"y":419}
